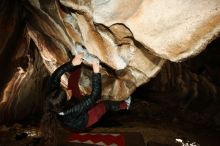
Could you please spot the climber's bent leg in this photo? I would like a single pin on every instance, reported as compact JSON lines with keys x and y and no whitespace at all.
{"x":96,"y":112}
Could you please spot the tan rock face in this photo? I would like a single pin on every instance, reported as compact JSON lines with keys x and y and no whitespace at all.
{"x":130,"y":61}
{"x":174,"y":29}
{"x":125,"y":34}
{"x":132,"y":38}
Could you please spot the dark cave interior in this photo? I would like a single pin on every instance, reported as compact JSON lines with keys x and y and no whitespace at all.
{"x":181,"y":101}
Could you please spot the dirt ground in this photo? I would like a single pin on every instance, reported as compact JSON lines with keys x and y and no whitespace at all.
{"x":161,"y":125}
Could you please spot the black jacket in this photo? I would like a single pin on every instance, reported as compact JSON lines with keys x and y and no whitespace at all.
{"x":76,"y":116}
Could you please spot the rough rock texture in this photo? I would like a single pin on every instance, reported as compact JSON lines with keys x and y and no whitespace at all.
{"x":174,"y":29}
{"x":122,"y":33}
{"x":132,"y":38}
{"x":130,"y":62}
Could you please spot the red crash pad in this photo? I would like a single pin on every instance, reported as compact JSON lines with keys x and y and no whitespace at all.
{"x":106,"y":139}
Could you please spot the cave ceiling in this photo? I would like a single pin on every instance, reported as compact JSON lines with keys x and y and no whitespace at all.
{"x":132,"y":38}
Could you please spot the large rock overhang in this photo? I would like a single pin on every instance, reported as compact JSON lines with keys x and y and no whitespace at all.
{"x":132,"y":38}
